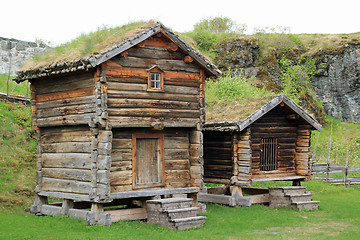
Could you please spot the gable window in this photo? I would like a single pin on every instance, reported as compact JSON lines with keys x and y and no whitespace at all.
{"x":268,"y":155}
{"x":148,"y":160}
{"x":155,"y":79}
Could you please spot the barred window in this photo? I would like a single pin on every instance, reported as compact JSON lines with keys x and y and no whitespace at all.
{"x":268,"y":155}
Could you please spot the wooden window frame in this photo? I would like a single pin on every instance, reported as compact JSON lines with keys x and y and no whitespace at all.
{"x":155,"y":70}
{"x":160,"y":138}
{"x":269,"y":154}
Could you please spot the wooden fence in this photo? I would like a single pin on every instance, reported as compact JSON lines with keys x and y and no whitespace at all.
{"x":324,"y":168}
{"x":14,"y":98}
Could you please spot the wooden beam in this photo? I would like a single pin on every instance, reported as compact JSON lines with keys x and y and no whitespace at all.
{"x":149,"y":193}
{"x":172,"y":47}
{"x":127,"y":214}
{"x":188,"y":59}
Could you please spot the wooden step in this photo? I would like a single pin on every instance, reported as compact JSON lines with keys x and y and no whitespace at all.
{"x":300,"y":197}
{"x":294,"y":190}
{"x":168,"y":204}
{"x":189,"y":222}
{"x":183,"y":212}
{"x":308,"y":205}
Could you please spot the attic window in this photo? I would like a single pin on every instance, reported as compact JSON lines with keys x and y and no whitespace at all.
{"x":155,"y":79}
{"x":268,"y":155}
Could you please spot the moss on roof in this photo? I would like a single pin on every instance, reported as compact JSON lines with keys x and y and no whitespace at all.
{"x":234,"y":110}
{"x":87,"y":45}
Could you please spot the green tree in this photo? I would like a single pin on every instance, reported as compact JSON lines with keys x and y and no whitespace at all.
{"x":208,"y":32}
{"x":219,"y":25}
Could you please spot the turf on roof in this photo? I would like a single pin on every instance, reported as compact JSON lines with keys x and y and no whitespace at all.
{"x":233,"y":110}
{"x":87,"y":45}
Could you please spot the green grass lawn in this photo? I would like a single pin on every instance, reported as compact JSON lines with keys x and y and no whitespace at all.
{"x":337,"y":218}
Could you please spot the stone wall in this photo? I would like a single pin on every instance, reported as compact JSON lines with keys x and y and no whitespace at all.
{"x":16,"y":53}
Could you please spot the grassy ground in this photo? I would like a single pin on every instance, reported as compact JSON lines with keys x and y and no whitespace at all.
{"x":337,"y":218}
{"x":343,"y":132}
{"x":17,"y":156}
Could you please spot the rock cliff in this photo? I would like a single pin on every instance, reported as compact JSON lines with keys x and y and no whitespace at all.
{"x":337,"y":86}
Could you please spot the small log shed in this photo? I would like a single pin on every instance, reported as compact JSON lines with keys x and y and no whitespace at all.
{"x":120,"y":126}
{"x":270,"y":144}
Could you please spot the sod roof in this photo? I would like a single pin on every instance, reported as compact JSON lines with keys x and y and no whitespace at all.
{"x":237,"y":115}
{"x":90,"y":50}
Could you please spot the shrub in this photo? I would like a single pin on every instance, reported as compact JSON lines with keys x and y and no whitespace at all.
{"x":232,"y":86}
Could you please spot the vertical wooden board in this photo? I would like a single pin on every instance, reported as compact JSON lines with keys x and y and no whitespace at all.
{"x":147,"y":161}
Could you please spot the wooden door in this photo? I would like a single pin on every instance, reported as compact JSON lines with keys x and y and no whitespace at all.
{"x":148,"y":160}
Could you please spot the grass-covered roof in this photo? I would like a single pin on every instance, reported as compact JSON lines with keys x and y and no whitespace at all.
{"x":87,"y":45}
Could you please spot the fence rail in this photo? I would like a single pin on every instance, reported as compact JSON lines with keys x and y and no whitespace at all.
{"x":324,"y":168}
{"x":14,"y":98}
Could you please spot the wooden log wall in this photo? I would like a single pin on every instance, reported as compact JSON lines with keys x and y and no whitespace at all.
{"x":302,"y":156}
{"x":181,"y":104}
{"x":65,"y":167}
{"x":196,"y":158}
{"x":177,"y":150}
{"x":218,"y":157}
{"x":242,"y":158}
{"x":274,"y":124}
{"x":67,"y":100}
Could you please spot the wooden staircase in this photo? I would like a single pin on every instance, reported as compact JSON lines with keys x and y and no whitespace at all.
{"x":294,"y":196}
{"x":174,"y":213}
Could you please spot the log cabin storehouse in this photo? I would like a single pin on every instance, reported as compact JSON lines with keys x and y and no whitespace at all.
{"x":269,"y":142}
{"x":119,"y":126}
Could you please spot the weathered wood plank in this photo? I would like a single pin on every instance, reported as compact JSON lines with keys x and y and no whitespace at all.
{"x":121,"y":143}
{"x":176,"y":154}
{"x":151,"y":112}
{"x":67,"y":147}
{"x":65,"y":95}
{"x":150,"y":103}
{"x":127,"y":214}
{"x":120,"y":178}
{"x":66,"y":173}
{"x":66,"y":110}
{"x":66,"y":160}
{"x":176,"y":175}
{"x":64,"y":83}
{"x":177,"y":165}
{"x":112,"y":93}
{"x":61,"y":185}
{"x":220,"y":199}
{"x":66,"y":102}
{"x":154,"y":192}
{"x":65,"y":120}
{"x":138,"y":72}
{"x":154,"y":53}
{"x":164,"y":64}
{"x":74,"y":136}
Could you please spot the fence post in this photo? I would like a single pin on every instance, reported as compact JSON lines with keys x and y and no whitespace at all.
{"x":347,"y":161}
{"x":314,"y":155}
{"x":328,"y":160}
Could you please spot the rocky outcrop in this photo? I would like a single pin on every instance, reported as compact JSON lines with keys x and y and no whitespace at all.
{"x":337,"y":86}
{"x":15,"y":53}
